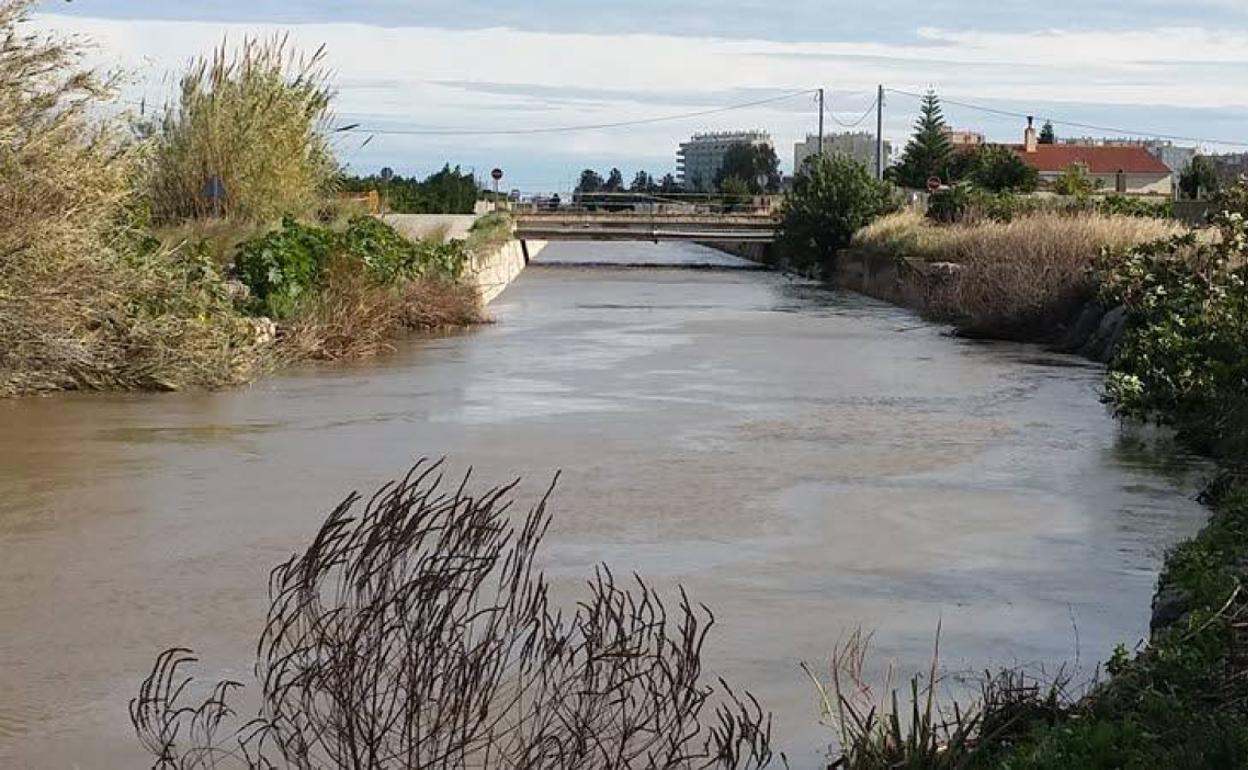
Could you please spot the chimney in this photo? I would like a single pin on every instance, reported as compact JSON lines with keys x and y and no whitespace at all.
{"x":1030,"y":141}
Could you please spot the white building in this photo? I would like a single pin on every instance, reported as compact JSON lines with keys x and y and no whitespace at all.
{"x":699,"y":160}
{"x":858,"y":145}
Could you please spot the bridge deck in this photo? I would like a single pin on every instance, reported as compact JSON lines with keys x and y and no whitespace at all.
{"x":614,"y":226}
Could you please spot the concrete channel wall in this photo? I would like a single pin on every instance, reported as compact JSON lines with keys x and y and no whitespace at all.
{"x":489,"y":274}
{"x":492,"y":273}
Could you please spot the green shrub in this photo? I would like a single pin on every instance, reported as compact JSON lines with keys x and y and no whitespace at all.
{"x":1000,"y":169}
{"x":1129,"y":206}
{"x":952,"y":204}
{"x":832,"y":199}
{"x":1182,"y":360}
{"x":282,"y":266}
{"x":1076,"y":181}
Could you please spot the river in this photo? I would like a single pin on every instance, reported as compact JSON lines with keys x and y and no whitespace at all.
{"x":804,"y":461}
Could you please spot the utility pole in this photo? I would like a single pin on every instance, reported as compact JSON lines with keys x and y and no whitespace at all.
{"x":879,"y":134}
{"x":820,"y":123}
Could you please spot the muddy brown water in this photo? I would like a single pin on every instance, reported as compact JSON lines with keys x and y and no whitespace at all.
{"x":804,"y":461}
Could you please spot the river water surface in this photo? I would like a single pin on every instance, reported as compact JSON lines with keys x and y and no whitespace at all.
{"x":804,"y":461}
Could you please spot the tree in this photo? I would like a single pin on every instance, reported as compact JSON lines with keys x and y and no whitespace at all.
{"x":833,"y":198}
{"x":1047,"y":135}
{"x":962,"y":165}
{"x":929,"y":152}
{"x":754,"y":164}
{"x":669,"y":185}
{"x":1000,"y":169}
{"x":1199,"y":176}
{"x":615,"y":182}
{"x":642,"y":183}
{"x":736,"y":191}
{"x":591,"y":182}
{"x":1077,"y":181}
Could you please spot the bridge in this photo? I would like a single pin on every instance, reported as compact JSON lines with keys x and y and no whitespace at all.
{"x":643,"y":226}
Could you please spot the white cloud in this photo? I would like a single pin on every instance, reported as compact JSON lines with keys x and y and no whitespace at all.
{"x":396,"y":74}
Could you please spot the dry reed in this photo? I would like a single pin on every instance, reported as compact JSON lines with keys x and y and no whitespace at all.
{"x":84,"y":303}
{"x":1018,"y":279}
{"x":416,"y":631}
{"x":354,"y":317}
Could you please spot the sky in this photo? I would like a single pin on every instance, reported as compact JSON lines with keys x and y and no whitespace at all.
{"x":1149,"y":66}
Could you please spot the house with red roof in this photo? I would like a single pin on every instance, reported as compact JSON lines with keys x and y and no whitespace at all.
{"x":1128,"y":170}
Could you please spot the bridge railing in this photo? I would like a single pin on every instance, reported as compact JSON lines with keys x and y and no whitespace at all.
{"x":653,"y":203}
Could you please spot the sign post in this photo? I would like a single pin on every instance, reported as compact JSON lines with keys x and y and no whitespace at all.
{"x":497,"y":176}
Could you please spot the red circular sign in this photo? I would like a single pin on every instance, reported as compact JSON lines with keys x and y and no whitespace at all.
{"x":497,"y":174}
{"x":934,"y":183}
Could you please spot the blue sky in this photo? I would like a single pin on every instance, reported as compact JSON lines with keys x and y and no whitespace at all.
{"x":1160,"y":67}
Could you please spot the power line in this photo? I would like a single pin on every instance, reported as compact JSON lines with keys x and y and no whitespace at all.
{"x":355,"y":128}
{"x":855,"y":124}
{"x":1073,"y":124}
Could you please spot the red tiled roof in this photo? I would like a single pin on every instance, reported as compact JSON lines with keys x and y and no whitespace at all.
{"x":1099,"y":160}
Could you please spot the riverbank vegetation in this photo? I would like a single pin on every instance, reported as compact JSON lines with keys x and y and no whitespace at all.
{"x":1027,"y":278}
{"x":1029,"y":268}
{"x":1181,"y":701}
{"x":196,"y":249}
{"x":88,"y":299}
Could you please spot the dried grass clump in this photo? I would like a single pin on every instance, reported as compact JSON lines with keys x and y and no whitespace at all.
{"x":1034,"y":274}
{"x":879,"y":726}
{"x":84,"y":301}
{"x":256,"y":118}
{"x":354,"y":317}
{"x":416,"y":631}
{"x":1014,"y":279}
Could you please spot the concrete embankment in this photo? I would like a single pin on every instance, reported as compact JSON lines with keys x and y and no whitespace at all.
{"x":489,"y":273}
{"x":492,"y":273}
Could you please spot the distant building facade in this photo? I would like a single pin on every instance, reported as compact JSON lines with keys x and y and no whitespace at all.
{"x":858,"y":145}
{"x":1230,"y":167}
{"x":1127,"y":168}
{"x":699,"y":160}
{"x":964,"y":140}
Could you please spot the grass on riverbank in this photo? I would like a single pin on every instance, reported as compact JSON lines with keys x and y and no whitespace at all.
{"x":1014,"y":280}
{"x":122,"y":251}
{"x":1182,"y":702}
{"x":88,"y":300}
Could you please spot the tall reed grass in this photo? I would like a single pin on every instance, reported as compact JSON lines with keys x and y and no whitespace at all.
{"x":85,"y":300}
{"x":247,"y":137}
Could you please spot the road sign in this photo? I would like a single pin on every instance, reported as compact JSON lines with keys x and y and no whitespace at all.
{"x":497,"y":174}
{"x":934,"y":184}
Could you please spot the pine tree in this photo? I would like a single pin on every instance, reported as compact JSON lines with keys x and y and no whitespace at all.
{"x":615,"y":182}
{"x":1047,"y":134}
{"x":929,"y":152}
